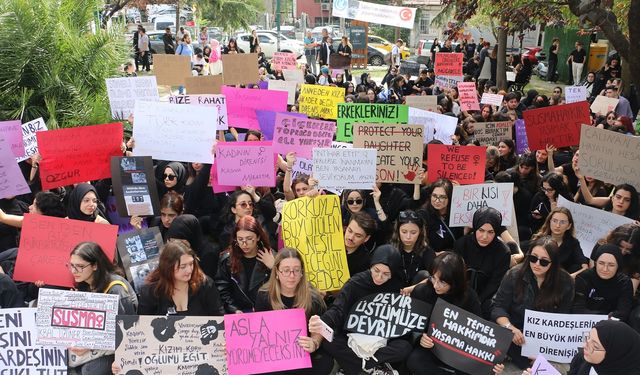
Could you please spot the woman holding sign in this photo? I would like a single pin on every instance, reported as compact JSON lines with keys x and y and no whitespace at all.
{"x":92,"y":271}
{"x":410,"y":238}
{"x":449,"y":282}
{"x":288,"y":288}
{"x":623,"y":201}
{"x":539,"y":284}
{"x":384,"y":276}
{"x":245,"y":266}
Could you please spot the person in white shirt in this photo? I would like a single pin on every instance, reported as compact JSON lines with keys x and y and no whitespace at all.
{"x":396,"y":53}
{"x":143,"y":47}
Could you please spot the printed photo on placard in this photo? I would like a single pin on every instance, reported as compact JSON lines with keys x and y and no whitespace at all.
{"x":134,"y":186}
{"x":140,"y":252}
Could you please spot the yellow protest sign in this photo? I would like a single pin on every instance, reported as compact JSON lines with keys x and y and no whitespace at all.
{"x":313,"y":226}
{"x":321,"y":101}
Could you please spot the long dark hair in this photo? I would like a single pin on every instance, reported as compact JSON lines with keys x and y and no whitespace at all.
{"x":163,"y":275}
{"x":227,"y":215}
{"x":453,"y":271}
{"x":550,"y":293}
{"x":92,"y":253}
{"x":406,"y":217}
{"x":556,"y":181}
{"x":448,"y":188}
{"x":632,"y":211}
{"x":250,"y":224}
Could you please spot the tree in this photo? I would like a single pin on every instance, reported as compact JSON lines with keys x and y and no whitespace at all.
{"x":52,"y":65}
{"x":231,"y":15}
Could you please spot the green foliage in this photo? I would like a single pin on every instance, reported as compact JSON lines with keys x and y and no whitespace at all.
{"x":52,"y":65}
{"x":230,"y":15}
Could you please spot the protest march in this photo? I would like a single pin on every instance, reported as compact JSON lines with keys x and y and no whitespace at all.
{"x":242,"y":213}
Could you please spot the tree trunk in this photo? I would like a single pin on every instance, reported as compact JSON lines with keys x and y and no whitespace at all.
{"x":501,"y":71}
{"x":178,"y":16}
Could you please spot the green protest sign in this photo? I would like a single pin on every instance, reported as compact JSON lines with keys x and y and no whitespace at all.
{"x":350,"y":113}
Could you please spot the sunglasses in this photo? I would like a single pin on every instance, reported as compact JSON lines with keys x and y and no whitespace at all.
{"x":169,"y":177}
{"x":534,"y":259}
{"x":409,"y":216}
{"x":245,"y":204}
{"x":351,"y":202}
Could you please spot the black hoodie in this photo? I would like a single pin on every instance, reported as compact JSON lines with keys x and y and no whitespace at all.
{"x":361,"y":285}
{"x":187,"y":227}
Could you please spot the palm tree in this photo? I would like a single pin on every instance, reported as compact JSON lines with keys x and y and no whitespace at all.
{"x":53,"y":65}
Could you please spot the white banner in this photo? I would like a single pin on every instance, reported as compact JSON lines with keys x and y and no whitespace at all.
{"x":436,"y":126}
{"x":289,"y":87}
{"x":375,"y":13}
{"x":206,"y":100}
{"x":448,"y":81}
{"x":574,"y":94}
{"x":19,"y":353}
{"x":80,"y":319}
{"x":345,"y":168}
{"x":123,"y":93}
{"x":175,"y":132}
{"x":29,"y":139}
{"x":492,"y":99}
{"x":467,"y":199}
{"x":591,"y":223}
{"x":556,"y":336}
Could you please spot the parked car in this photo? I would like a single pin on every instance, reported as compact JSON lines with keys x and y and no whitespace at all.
{"x":533,"y":54}
{"x":268,"y":43}
{"x":288,"y":31}
{"x":382,"y":43}
{"x":541,"y":69}
{"x":375,"y":56}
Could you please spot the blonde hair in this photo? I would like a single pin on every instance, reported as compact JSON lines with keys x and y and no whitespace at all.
{"x":305,"y":293}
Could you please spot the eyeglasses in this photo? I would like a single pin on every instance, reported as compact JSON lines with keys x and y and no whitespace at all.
{"x":534,"y":259}
{"x":611,"y":118}
{"x":621,"y":198}
{"x":76,"y":268}
{"x":439,"y":198}
{"x":291,"y":272}
{"x":169,"y":177}
{"x":590,"y":346}
{"x":351,"y":202}
{"x":245,"y":204}
{"x":558,"y":221}
{"x":383,"y":275}
{"x":247,"y":241}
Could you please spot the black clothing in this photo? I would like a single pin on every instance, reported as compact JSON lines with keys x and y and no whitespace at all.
{"x":359,"y":260}
{"x":539,"y":203}
{"x":187,"y":227}
{"x":169,"y":44}
{"x":10,"y":297}
{"x":441,"y":236}
{"x":567,"y":170}
{"x":594,"y":295}
{"x":75,"y":198}
{"x":413,"y":263}
{"x":578,"y":56}
{"x":325,"y":51}
{"x":9,"y":235}
{"x":571,"y":257}
{"x":181,"y":177}
{"x":237,"y":291}
{"x":253,"y":43}
{"x":468,"y":301}
{"x":204,"y":302}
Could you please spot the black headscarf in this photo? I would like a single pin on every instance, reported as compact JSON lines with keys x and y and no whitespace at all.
{"x":487,"y":215}
{"x":622,"y":345}
{"x":609,"y":249}
{"x":181,"y":175}
{"x":389,"y":256}
{"x":75,"y":198}
{"x":187,"y":227}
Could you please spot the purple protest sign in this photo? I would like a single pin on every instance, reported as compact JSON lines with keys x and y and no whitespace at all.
{"x":243,"y":103}
{"x":264,"y":85}
{"x":267,"y":120}
{"x":301,"y":135}
{"x":217,"y":188}
{"x":541,"y":365}
{"x":11,"y":133}
{"x":12,"y":181}
{"x":245,"y":163}
{"x":521,"y":137}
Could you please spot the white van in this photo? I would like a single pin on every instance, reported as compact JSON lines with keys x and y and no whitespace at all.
{"x":162,"y":22}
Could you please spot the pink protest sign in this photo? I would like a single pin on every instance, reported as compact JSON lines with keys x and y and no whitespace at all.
{"x":11,"y":133}
{"x":468,"y":96}
{"x":213,"y":179}
{"x":284,"y":60}
{"x":243,"y":103}
{"x":245,"y":163}
{"x":12,"y":181}
{"x":265,"y":341}
{"x":301,"y":135}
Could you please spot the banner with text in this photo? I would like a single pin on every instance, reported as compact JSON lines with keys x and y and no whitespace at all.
{"x":267,"y":121}
{"x":207,"y":100}
{"x":447,"y":81}
{"x":283,"y":60}
{"x":465,"y":341}
{"x":81,"y":319}
{"x":557,"y":125}
{"x":399,"y":146}
{"x":46,"y":242}
{"x":344,"y":168}
{"x":11,"y":133}
{"x":468,"y":95}
{"x":464,"y":164}
{"x":448,"y":64}
{"x":491,"y":99}
{"x":574,"y":94}
{"x":301,"y":135}
{"x":266,"y":341}
{"x":522,"y":144}
{"x":29,"y":140}
{"x":375,"y":13}
{"x":467,"y":199}
{"x":320,"y":101}
{"x":134,"y":186}
{"x":556,"y":336}
{"x":436,"y":126}
{"x":140,"y":253}
{"x":350,"y":113}
{"x":245,"y":163}
{"x":243,"y":103}
{"x":491,"y":133}
{"x":177,"y":345}
{"x":12,"y":182}
{"x":313,"y":226}
{"x":19,"y":353}
{"x":123,"y":93}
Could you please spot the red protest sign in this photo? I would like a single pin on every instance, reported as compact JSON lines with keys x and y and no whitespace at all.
{"x":558,"y":125}
{"x":46,"y":242}
{"x":448,"y":64}
{"x":78,"y":154}
{"x":464,"y":164}
{"x":468,"y":96}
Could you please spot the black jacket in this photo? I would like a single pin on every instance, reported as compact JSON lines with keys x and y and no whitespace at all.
{"x":469,"y":301}
{"x":236,"y":291}
{"x":613,"y":297}
{"x":325,"y":51}
{"x":204,"y":302}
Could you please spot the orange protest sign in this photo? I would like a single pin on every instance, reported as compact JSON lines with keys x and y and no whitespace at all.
{"x":448,"y":64}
